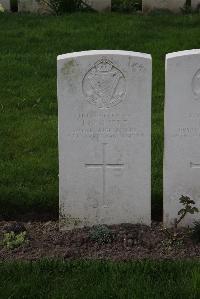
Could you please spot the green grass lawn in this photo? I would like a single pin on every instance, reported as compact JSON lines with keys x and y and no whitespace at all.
{"x":100,"y":280}
{"x":28,"y":108}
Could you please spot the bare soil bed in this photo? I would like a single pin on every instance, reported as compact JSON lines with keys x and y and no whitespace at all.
{"x":128,"y":242}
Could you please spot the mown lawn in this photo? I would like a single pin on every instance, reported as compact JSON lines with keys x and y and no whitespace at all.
{"x":100,"y":280}
{"x":28,"y":109}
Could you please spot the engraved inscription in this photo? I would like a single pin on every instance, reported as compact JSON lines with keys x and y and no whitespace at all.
{"x":104,"y":85}
{"x":187,"y":132}
{"x":105,"y":124}
{"x":196,"y":84}
{"x":194,"y":165}
{"x":192,"y":127}
{"x":104,"y":166}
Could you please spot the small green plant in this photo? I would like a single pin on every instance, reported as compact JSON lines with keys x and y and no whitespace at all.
{"x":188,"y":208}
{"x":101,"y":234}
{"x":196,"y":232}
{"x":1,"y":8}
{"x":12,"y":240}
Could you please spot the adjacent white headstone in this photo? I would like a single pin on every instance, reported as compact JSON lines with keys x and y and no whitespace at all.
{"x":100,"y":5}
{"x":104,"y":100}
{"x":5,"y":4}
{"x":182,"y":133}
{"x":172,"y":5}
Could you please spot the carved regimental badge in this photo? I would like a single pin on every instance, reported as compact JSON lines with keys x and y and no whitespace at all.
{"x":196,"y":84}
{"x":104,"y":85}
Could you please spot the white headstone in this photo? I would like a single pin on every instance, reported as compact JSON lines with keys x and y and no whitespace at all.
{"x":182,"y":134}
{"x":172,"y":5}
{"x":5,"y":4}
{"x":104,"y":100}
{"x":100,"y":5}
{"x":28,"y":6}
{"x":33,"y":6}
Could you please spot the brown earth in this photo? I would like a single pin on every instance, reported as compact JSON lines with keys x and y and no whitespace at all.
{"x":128,"y":242}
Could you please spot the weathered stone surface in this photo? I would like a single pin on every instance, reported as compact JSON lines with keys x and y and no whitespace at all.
{"x":100,"y":5}
{"x":33,"y":6}
{"x":39,"y":6}
{"x":104,"y":100}
{"x":195,"y":4}
{"x":28,"y":6}
{"x":182,"y":133}
{"x":172,"y":5}
{"x":5,"y":4}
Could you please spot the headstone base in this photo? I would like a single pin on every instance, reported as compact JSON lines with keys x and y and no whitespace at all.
{"x":171,"y":5}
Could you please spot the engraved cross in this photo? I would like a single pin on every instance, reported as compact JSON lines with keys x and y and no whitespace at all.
{"x":104,"y":166}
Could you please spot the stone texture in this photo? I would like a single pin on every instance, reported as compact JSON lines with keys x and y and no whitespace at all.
{"x":28,"y":6}
{"x":5,"y":4}
{"x":39,"y":7}
{"x":100,"y":5}
{"x":195,"y":4}
{"x":182,"y":133}
{"x":104,"y":100}
{"x":172,"y":5}
{"x":32,"y":6}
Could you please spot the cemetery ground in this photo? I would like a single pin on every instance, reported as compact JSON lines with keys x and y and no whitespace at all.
{"x":29,"y":165}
